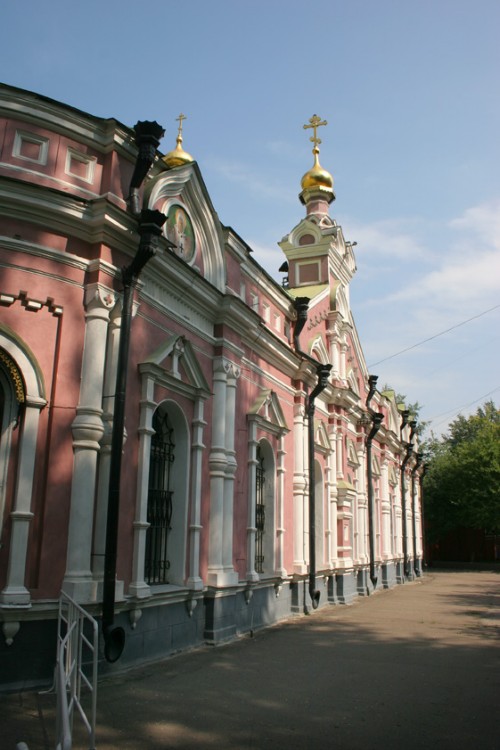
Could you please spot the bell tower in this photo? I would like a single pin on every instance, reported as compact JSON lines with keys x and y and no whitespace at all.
{"x":316,"y":252}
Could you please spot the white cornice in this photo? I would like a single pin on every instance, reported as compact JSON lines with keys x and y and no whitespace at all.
{"x":42,"y":251}
{"x":100,"y":133}
{"x":91,"y":221}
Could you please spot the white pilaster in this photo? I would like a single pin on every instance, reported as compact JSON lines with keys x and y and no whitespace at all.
{"x":386,"y":512}
{"x":138,"y":586}
{"x":105,"y":452}
{"x":332,"y":501}
{"x":280,"y":521}
{"x":299,"y":490}
{"x":194,"y":580}
{"x":15,"y":592}
{"x":222,"y":464}
{"x":87,"y":431}
{"x":252,"y":574}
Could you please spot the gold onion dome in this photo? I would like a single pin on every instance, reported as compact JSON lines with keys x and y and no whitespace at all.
{"x":317,"y":176}
{"x":178,"y":156}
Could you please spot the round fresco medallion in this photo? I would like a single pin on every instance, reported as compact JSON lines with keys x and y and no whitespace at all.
{"x":180,"y":232}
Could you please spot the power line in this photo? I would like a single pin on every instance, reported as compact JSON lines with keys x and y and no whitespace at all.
{"x":464,"y":406}
{"x":436,"y":335}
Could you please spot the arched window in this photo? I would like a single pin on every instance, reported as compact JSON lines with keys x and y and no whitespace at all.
{"x":260,"y":512}
{"x":160,"y":500}
{"x":10,"y":399}
{"x":265,"y":551}
{"x":167,"y":507}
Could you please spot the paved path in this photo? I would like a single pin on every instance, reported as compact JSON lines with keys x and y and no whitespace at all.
{"x":411,"y":668}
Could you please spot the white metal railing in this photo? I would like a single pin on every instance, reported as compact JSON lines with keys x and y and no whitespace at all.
{"x":77,"y":641}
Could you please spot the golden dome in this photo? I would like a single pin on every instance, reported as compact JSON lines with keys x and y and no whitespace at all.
{"x":317,"y":177}
{"x":178,"y":156}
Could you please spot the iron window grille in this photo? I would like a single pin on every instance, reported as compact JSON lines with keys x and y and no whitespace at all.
{"x":160,"y":498}
{"x":260,"y":513}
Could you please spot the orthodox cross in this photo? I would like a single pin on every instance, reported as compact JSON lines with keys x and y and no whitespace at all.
{"x":180,"y":119}
{"x":315,"y":123}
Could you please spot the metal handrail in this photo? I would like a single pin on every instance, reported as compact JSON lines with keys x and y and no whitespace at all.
{"x":72,"y":645}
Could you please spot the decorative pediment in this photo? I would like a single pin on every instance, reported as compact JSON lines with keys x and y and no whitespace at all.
{"x":393,"y":412}
{"x":319,"y":351}
{"x":192,"y":223}
{"x":321,"y":437}
{"x":175,"y":365}
{"x":267,"y":410}
{"x":353,"y":381}
{"x":352,"y":454}
{"x":339,"y":302}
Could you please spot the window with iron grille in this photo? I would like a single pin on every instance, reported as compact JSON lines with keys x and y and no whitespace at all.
{"x":160,"y":498}
{"x":260,"y":513}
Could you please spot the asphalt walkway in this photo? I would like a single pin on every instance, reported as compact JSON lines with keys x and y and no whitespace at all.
{"x":411,"y":668}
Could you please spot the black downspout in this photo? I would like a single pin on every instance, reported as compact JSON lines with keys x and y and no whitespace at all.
{"x":322,"y":371}
{"x":409,"y":451}
{"x":422,"y":516}
{"x":147,"y":139}
{"x":149,"y":230}
{"x":377,"y":419}
{"x":414,"y":523}
{"x":408,"y":455}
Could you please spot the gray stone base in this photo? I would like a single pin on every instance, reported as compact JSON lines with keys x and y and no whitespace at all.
{"x":389,"y":577}
{"x":346,"y":585}
{"x":30,"y":660}
{"x":158,"y":628}
{"x":228,"y":614}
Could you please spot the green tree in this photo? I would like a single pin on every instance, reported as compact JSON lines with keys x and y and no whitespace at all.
{"x":462,"y":482}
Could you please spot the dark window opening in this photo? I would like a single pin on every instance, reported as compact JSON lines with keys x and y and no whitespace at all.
{"x":160,"y":500}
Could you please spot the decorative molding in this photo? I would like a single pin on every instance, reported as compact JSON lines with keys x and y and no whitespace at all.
{"x":10,"y":630}
{"x":23,"y":137}
{"x":87,"y":162}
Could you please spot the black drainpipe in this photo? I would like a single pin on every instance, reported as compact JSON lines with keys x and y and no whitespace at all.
{"x":149,"y":230}
{"x":422,"y":515}
{"x":414,"y":523}
{"x":322,"y":372}
{"x":377,"y":419}
{"x":147,"y":139}
{"x":408,"y":455}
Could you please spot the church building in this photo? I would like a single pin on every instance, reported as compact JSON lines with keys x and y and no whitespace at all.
{"x":189,"y":449}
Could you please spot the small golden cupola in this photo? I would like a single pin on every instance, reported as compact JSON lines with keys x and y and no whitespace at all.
{"x":178,"y":156}
{"x":317,"y":183}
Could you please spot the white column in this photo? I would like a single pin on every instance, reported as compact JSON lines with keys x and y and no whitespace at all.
{"x":333,"y":345}
{"x":386,"y":512}
{"x":343,"y":364}
{"x":252,"y":574}
{"x":280,"y":521}
{"x":138,"y":586}
{"x":233,"y":373}
{"x":332,"y":501}
{"x":362,"y":506}
{"x":299,"y":489}
{"x":339,"y":453}
{"x":220,"y":526}
{"x":87,"y":431}
{"x":195,"y":581}
{"x":108,"y":402}
{"x":15,"y":592}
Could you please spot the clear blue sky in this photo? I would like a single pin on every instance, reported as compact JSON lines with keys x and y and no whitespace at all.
{"x":411,"y":94}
